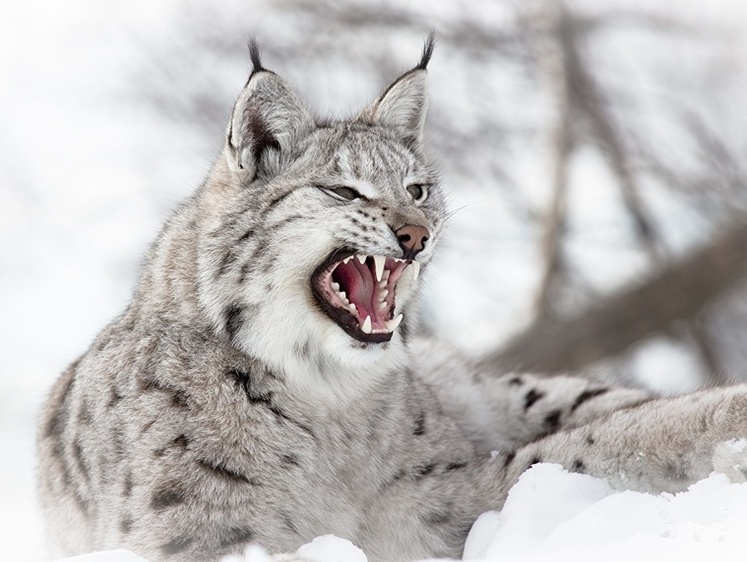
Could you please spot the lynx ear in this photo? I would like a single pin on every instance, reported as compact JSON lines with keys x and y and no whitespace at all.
{"x":267,"y":122}
{"x":402,"y":106}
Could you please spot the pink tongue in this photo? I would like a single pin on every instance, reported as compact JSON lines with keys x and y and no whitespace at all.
{"x":357,"y":281}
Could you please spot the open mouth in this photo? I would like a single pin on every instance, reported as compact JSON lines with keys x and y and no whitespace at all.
{"x":358,"y":292}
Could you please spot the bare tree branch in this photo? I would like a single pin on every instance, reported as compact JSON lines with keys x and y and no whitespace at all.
{"x":679,"y":292}
{"x":543,"y":21}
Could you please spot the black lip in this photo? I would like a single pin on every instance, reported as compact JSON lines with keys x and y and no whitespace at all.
{"x":342,"y":317}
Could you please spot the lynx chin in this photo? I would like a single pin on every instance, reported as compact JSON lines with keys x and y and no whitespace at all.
{"x":267,"y":383}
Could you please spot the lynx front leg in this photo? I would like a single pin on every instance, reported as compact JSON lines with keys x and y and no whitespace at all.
{"x":505,"y":412}
{"x":662,"y":445}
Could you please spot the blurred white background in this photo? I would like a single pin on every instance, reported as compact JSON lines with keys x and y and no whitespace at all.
{"x":111,"y":112}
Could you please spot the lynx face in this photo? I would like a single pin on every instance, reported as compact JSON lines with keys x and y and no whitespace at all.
{"x":320,"y":231}
{"x":384,"y":222}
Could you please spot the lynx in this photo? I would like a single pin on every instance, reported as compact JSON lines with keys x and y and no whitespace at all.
{"x":267,"y":383}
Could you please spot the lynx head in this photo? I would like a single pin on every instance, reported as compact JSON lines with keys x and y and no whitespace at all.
{"x":318,"y":230}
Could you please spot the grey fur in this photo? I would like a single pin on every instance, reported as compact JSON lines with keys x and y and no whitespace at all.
{"x":223,"y":407}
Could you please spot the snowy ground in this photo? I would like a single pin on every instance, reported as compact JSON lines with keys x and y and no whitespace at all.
{"x":86,"y":178}
{"x":555,"y":515}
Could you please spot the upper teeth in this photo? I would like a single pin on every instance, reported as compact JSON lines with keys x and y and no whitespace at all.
{"x":379,"y":262}
{"x":382,"y":284}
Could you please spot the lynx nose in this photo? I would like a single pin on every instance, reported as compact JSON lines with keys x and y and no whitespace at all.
{"x":412,"y":239}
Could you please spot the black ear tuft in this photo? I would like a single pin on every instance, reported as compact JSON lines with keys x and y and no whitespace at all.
{"x":254,"y":55}
{"x":430,"y":42}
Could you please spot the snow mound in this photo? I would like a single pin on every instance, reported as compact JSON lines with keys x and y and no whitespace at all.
{"x":555,"y":515}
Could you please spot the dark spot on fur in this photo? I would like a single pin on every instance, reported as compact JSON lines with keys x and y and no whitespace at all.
{"x":147,"y":426}
{"x":244,"y":273}
{"x":703,"y":423}
{"x":290,"y":459}
{"x":259,"y":251}
{"x":552,"y":420}
{"x":82,"y":502}
{"x":590,"y":440}
{"x":114,"y":399}
{"x":531,"y":397}
{"x":282,"y":415}
{"x":276,"y":201}
{"x":673,"y":471}
{"x":248,"y":234}
{"x":421,"y":471}
{"x":578,"y":466}
{"x":125,"y":526}
{"x":420,"y":424}
{"x":127,"y":486}
{"x":224,"y":472}
{"x":176,"y":545}
{"x":236,"y":536}
{"x":179,"y":442}
{"x":265,"y":400}
{"x":233,"y":320}
{"x":510,"y":456}
{"x":170,"y":495}
{"x":241,"y":379}
{"x":435,"y":518}
{"x":288,"y":522}
{"x":285,"y":222}
{"x":456,"y":466}
{"x":229,"y":257}
{"x":56,"y":425}
{"x":516,"y":381}
{"x":534,"y":461}
{"x":117,"y":444}
{"x":399,"y":475}
{"x":303,"y":350}
{"x":588,"y":395}
{"x":180,"y":399}
{"x":84,"y":414}
{"x":103,"y":343}
{"x":80,"y":460}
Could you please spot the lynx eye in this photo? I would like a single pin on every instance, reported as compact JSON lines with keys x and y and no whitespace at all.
{"x":343,"y":192}
{"x":417,"y":191}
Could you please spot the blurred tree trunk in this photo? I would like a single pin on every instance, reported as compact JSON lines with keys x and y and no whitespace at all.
{"x":678,"y":292}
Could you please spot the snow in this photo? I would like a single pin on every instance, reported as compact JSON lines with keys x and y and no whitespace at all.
{"x":88,"y":174}
{"x":552,"y":514}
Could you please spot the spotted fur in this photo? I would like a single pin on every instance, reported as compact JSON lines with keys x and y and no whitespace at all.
{"x":224,"y":407}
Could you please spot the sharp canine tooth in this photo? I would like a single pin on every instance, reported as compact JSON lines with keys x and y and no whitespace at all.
{"x":361,"y":259}
{"x":392,"y":324}
{"x":367,"y":325}
{"x":415,"y":270}
{"x":379,"y":262}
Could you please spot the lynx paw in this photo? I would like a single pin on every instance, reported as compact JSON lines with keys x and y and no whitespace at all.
{"x":730,"y":458}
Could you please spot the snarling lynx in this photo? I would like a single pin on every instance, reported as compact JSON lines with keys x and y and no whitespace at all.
{"x":266,"y":384}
